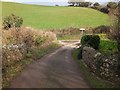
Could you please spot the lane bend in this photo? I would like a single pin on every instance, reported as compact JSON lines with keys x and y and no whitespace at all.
{"x":54,"y":70}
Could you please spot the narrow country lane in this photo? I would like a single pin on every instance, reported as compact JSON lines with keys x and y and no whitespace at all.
{"x":55,"y":70}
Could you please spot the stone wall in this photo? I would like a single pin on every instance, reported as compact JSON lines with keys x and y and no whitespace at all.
{"x":88,"y":56}
{"x":100,"y":64}
{"x":12,"y":54}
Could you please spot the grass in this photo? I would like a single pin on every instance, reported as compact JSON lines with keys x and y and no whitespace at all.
{"x":16,"y":69}
{"x":108,"y":46}
{"x":53,"y":17}
{"x":69,"y":37}
{"x":92,"y":79}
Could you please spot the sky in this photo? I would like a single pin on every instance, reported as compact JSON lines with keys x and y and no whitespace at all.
{"x":52,"y":2}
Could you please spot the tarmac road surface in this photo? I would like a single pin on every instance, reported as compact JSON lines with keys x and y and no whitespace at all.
{"x":54,"y":70}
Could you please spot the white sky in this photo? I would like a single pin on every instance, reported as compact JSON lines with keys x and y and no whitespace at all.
{"x":54,"y":0}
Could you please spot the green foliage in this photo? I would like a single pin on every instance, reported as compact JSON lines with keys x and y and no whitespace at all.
{"x":108,"y":46}
{"x":85,"y":39}
{"x":91,"y":40}
{"x":38,"y":40}
{"x":12,"y":21}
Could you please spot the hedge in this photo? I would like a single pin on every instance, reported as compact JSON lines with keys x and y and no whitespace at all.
{"x":91,"y":40}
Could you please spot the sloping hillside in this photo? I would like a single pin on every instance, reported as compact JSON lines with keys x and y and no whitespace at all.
{"x":47,"y":17}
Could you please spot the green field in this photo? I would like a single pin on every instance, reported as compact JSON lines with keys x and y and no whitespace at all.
{"x":49,"y":17}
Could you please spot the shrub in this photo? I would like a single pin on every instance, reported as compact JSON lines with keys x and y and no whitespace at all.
{"x":85,"y":39}
{"x":14,"y":50}
{"x":12,"y":21}
{"x":101,"y":29}
{"x":38,"y":40}
{"x":91,"y":40}
{"x":108,"y":46}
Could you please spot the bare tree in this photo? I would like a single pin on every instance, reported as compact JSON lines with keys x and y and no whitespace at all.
{"x":115,"y":25}
{"x":112,"y":5}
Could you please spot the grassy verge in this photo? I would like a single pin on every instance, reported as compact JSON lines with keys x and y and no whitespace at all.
{"x":15,"y":69}
{"x":39,"y":52}
{"x":92,"y":79}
